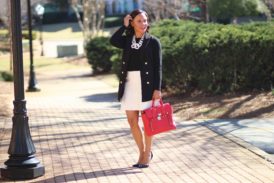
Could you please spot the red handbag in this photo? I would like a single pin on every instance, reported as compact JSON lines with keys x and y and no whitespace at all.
{"x":158,"y":119}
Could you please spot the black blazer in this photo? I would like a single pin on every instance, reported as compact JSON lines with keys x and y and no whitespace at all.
{"x":151,"y":62}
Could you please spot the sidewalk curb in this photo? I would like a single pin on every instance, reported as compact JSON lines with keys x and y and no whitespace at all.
{"x":238,"y":141}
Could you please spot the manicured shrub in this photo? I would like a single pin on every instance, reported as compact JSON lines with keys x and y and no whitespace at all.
{"x":216,"y":58}
{"x":6,"y":76}
{"x":99,"y":52}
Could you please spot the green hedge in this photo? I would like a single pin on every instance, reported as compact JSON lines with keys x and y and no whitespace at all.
{"x":99,"y":51}
{"x":6,"y":76}
{"x":208,"y":57}
{"x":216,"y":58}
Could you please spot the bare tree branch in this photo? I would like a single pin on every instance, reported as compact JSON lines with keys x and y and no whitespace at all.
{"x":93,"y":17}
{"x":161,"y":9}
{"x":74,"y":4}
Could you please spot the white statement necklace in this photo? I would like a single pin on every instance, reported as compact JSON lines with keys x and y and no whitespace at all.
{"x":135,"y":45}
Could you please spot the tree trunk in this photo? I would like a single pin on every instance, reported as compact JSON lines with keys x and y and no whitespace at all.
{"x":94,"y":14}
{"x":76,"y":11}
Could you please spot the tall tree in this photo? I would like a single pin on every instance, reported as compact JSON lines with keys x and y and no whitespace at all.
{"x":161,"y":9}
{"x":75,"y":6}
{"x":93,"y":17}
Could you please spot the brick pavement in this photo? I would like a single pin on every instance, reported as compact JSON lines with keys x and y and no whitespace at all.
{"x":81,"y":136}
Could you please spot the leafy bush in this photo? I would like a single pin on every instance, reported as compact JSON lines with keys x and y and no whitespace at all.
{"x":216,"y":58}
{"x":213,"y":57}
{"x":6,"y":76}
{"x":99,"y":51}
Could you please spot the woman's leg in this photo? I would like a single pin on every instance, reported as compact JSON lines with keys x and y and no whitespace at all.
{"x":133,"y":118}
{"x":147,"y":152}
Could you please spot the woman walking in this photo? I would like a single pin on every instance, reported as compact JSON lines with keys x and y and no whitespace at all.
{"x":140,"y":77}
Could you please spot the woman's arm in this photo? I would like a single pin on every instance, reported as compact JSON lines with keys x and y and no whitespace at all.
{"x":118,"y":39}
{"x":157,"y":66}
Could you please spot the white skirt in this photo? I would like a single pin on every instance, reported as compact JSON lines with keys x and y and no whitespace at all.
{"x":132,"y":97}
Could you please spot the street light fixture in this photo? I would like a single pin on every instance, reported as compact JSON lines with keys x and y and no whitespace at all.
{"x":22,"y":163}
{"x":32,"y":79}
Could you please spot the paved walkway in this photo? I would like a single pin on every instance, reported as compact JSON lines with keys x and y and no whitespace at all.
{"x":81,"y":136}
{"x":256,"y":132}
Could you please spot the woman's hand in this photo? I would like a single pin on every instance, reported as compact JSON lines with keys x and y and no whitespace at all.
{"x":127,"y":20}
{"x":156,"y":95}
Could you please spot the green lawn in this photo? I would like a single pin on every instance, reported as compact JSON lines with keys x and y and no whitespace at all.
{"x":63,"y":31}
{"x":51,"y":32}
{"x":43,"y":64}
{"x":3,"y":31}
{"x":40,"y":63}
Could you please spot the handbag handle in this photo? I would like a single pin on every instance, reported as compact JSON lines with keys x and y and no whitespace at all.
{"x":153,"y":102}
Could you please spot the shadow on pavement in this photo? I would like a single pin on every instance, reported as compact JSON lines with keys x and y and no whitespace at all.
{"x":258,"y":132}
{"x":258,"y":112}
{"x":76,"y":75}
{"x":94,"y":138}
{"x":90,"y":175}
{"x":104,"y":97}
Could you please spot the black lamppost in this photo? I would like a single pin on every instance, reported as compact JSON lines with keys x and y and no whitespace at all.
{"x":39,"y":10}
{"x":22,"y":163}
{"x":41,"y":35}
{"x":32,"y":79}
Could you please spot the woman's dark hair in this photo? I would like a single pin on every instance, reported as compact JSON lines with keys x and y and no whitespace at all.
{"x":133,"y":14}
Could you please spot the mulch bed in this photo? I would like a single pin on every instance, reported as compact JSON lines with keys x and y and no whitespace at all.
{"x":229,"y":106}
